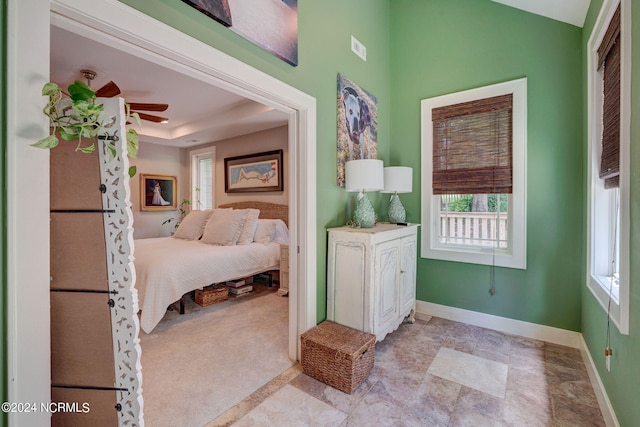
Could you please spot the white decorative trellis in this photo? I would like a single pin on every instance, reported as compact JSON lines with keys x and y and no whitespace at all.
{"x":118,"y":228}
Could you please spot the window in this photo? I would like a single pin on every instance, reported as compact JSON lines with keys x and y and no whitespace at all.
{"x":473,"y":220}
{"x":202,"y":178}
{"x":609,"y":136}
{"x":474,"y":176}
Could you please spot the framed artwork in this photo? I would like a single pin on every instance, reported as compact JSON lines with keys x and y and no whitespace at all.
{"x":216,"y":9}
{"x":357,"y":124}
{"x":270,"y":24}
{"x":158,"y":192}
{"x":254,"y":172}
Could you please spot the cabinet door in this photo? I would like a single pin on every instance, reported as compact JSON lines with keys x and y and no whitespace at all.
{"x":408,"y":274}
{"x":386,"y":287}
{"x":347,"y":282}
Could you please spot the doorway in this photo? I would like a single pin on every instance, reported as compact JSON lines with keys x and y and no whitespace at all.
{"x":29,"y":359}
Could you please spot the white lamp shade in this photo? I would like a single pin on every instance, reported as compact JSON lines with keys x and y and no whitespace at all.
{"x":364,"y":174}
{"x":398,"y":179}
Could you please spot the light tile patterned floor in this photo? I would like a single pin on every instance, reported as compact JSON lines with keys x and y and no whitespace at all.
{"x":422,"y":377}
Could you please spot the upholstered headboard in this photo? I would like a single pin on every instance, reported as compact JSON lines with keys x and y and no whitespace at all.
{"x":267,"y":210}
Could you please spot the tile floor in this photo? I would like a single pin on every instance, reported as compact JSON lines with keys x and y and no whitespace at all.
{"x":436,"y":372}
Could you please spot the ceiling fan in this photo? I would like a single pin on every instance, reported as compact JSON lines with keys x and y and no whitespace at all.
{"x":111,"y":89}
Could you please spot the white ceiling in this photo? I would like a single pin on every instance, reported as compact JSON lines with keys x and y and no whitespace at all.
{"x":198,"y":112}
{"x":572,"y":12}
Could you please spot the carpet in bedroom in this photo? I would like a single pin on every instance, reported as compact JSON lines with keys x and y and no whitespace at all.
{"x":198,"y":365}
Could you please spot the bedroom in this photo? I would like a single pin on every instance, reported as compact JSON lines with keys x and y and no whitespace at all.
{"x":205,"y":121}
{"x":552,"y":299}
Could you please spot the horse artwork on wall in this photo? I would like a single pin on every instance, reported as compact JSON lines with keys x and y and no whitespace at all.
{"x":357,"y":125}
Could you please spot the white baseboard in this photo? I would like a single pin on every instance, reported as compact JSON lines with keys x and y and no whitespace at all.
{"x":608,"y":413}
{"x":528,"y":330}
{"x":502,"y":324}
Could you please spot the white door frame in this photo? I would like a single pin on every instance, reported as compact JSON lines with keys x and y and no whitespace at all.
{"x":28,"y":168}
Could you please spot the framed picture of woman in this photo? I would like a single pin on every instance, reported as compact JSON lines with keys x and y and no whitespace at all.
{"x":158,"y":192}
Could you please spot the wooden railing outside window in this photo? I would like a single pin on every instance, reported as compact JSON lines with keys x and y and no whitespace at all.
{"x":474,"y":229}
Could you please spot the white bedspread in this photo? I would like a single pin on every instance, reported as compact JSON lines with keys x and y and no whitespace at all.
{"x":167,"y":268}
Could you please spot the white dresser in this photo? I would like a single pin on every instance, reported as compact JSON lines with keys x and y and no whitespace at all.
{"x":371,"y":277}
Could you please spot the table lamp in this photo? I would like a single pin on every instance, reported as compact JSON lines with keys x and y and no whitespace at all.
{"x":361,"y":176}
{"x":397,"y":179}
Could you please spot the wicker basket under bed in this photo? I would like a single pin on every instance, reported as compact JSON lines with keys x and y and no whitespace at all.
{"x":211,"y":295}
{"x":337,"y":355}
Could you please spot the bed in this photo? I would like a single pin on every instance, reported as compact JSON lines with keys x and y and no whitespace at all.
{"x":168,"y":268}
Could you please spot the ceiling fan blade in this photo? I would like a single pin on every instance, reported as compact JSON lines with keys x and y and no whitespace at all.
{"x":109,"y":90}
{"x":152,"y":118}
{"x":148,"y":107}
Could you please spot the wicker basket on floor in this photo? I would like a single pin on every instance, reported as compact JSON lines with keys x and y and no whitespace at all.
{"x":337,"y":355}
{"x":212,"y":294}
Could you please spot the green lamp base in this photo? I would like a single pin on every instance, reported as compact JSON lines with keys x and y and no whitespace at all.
{"x":364,"y":215}
{"x":396,"y":210}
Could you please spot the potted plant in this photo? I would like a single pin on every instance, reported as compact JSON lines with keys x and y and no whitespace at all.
{"x":79,"y":116}
{"x":182,"y":210}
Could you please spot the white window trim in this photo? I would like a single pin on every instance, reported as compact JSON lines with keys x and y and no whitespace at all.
{"x":516,"y":255}
{"x":195,"y":156}
{"x":619,"y":309}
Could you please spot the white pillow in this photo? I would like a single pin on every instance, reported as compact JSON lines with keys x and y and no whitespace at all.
{"x":224,"y":227}
{"x":281,"y":235}
{"x":191,"y":226}
{"x":249,"y":227}
{"x":264,"y":232}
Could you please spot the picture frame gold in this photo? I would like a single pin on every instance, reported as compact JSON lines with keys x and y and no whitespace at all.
{"x":158,"y":192}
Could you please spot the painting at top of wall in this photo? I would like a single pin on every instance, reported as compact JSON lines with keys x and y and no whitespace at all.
{"x":357,"y":124}
{"x":270,"y":24}
{"x":216,"y":9}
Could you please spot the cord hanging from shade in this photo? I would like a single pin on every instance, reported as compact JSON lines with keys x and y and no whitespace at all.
{"x":608,"y":351}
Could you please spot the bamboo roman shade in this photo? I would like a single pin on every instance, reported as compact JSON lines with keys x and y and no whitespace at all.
{"x":472,"y":147}
{"x":609,"y":59}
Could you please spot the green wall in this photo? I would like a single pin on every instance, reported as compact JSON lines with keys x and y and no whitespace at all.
{"x":3,"y":216}
{"x":623,"y":381}
{"x":324,"y":42}
{"x":443,"y":46}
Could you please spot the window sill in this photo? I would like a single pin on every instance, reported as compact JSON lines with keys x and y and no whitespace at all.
{"x":605,"y":283}
{"x":482,"y":256}
{"x":598,"y":285}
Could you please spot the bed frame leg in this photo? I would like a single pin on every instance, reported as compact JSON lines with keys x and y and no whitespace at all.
{"x":177,"y":306}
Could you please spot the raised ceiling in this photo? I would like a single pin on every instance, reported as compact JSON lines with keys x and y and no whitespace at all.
{"x":198,"y":111}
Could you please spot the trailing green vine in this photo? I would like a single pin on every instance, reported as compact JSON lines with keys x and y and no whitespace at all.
{"x":81,"y":119}
{"x":182,"y":209}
